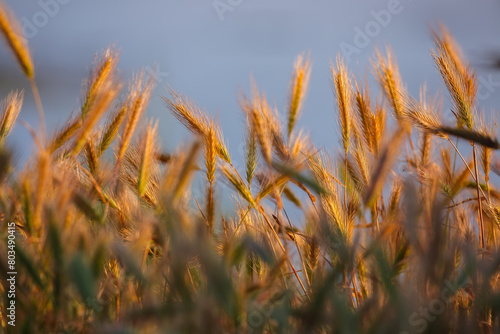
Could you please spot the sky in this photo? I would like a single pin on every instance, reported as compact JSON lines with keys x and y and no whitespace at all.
{"x":208,"y":50}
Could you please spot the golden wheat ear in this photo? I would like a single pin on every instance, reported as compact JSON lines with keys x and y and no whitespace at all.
{"x":195,"y":120}
{"x":10,"y":108}
{"x":103,"y":100}
{"x":388,"y":76}
{"x":421,"y":116}
{"x":343,"y":90}
{"x":366,"y":119}
{"x":103,"y":72}
{"x":459,"y":79}
{"x":11,"y":30}
{"x":443,"y":40}
{"x":139,"y":96}
{"x":298,"y":89}
{"x":113,"y":124}
{"x":258,"y":126}
{"x":148,"y":146}
{"x":486,"y":153}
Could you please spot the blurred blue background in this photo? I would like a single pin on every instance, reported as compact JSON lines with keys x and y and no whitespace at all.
{"x":207,"y":50}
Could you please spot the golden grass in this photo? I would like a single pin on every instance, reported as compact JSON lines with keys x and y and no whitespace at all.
{"x":11,"y":30}
{"x":298,"y":89}
{"x":10,"y":108}
{"x":343,"y":90}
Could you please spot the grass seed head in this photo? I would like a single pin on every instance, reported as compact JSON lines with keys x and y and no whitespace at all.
{"x":10,"y":108}
{"x":12,"y":32}
{"x":343,"y":90}
{"x":298,"y":89}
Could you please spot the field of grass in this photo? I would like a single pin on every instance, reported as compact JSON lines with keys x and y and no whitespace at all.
{"x":100,"y":231}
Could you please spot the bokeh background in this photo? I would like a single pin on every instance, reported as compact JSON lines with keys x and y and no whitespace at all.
{"x":208,"y":49}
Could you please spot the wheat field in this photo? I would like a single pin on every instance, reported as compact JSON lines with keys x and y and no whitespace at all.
{"x":399,"y":222}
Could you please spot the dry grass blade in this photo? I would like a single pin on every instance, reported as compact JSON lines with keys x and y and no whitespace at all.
{"x":10,"y":108}
{"x":480,"y":138}
{"x":11,"y":30}
{"x":298,"y":89}
{"x":430,"y":122}
{"x":300,"y":179}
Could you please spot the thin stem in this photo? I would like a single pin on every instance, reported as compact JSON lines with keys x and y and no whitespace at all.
{"x":463,"y":202}
{"x":298,"y":248}
{"x":355,"y":287}
{"x":467,"y":165}
{"x":479,"y":205}
{"x":493,"y":229}
{"x":273,"y":231}
{"x":452,"y":176}
{"x":345,"y":188}
{"x":454,"y":160}
{"x":39,"y":108}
